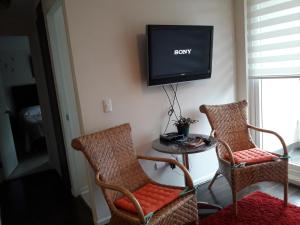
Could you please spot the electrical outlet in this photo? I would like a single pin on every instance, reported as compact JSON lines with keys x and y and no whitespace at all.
{"x":173,"y":166}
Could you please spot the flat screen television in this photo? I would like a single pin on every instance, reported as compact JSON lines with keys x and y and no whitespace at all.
{"x":178,"y":53}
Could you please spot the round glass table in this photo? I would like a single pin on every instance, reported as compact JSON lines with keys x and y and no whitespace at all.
{"x":182,"y":147}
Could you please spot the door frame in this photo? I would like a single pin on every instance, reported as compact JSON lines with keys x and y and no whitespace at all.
{"x":52,"y":95}
{"x":65,"y":84}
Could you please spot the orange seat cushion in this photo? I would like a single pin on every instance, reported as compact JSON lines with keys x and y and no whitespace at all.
{"x":151,"y":198}
{"x":252,"y":156}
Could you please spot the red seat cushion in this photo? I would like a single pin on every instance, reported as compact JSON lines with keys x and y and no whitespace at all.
{"x":252,"y":156}
{"x":151,"y":198}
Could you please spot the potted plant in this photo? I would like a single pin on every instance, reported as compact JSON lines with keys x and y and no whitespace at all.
{"x":183,"y":125}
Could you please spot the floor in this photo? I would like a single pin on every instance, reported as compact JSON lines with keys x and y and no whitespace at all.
{"x":41,"y":199}
{"x":221,"y":193}
{"x":34,"y":164}
{"x":31,"y":159}
{"x":294,"y":153}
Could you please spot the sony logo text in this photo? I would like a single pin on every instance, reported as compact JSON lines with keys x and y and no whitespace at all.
{"x":182,"y":52}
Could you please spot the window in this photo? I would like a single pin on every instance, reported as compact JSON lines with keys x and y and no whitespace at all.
{"x":273,"y":36}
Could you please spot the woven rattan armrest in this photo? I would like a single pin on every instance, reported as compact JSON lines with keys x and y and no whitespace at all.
{"x":226,"y":146}
{"x":285,"y":151}
{"x":187,"y":175}
{"x":228,"y":150}
{"x":127,"y":193}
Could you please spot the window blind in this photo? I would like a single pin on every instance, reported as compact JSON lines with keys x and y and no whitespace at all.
{"x":273,"y":34}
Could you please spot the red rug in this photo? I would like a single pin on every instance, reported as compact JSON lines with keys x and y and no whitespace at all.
{"x":257,"y":209}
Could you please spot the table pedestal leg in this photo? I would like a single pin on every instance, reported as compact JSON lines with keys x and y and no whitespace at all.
{"x":200,"y":205}
{"x":186,"y":161}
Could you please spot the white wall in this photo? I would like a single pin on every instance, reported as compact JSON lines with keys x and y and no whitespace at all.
{"x":241,"y":58}
{"x":108,"y":47}
{"x":15,"y":64}
{"x":8,"y":154}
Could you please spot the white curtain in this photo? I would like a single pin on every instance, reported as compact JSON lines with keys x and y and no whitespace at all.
{"x":273,"y":34}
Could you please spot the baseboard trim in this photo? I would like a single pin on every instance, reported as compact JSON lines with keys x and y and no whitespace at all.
{"x":293,"y":180}
{"x":84,"y":193}
{"x":294,"y":174}
{"x":103,"y":221}
{"x":203,"y":179}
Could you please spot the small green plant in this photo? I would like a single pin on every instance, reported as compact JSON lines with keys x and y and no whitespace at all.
{"x":182,"y":121}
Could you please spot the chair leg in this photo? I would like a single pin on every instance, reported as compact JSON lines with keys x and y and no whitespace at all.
{"x":234,"y":202}
{"x":213,"y":180}
{"x":286,"y":189}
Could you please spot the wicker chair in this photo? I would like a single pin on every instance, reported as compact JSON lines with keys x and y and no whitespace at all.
{"x":230,"y":127}
{"x":118,"y":173}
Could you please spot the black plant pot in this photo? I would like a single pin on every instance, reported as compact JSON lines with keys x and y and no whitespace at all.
{"x":183,"y":129}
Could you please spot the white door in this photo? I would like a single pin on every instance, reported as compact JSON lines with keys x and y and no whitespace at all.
{"x":62,"y":69}
{"x":7,"y":144}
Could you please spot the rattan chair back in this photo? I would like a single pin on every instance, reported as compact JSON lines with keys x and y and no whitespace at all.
{"x":229,"y":121}
{"x":111,"y":153}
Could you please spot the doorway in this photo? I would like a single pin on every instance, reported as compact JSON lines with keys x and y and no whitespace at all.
{"x":31,"y":132}
{"x":20,"y":101}
{"x":52,"y":75}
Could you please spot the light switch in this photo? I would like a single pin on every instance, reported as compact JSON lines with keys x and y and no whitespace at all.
{"x":107,"y":105}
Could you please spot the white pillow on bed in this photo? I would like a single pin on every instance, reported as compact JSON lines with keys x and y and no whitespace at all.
{"x":32,"y":112}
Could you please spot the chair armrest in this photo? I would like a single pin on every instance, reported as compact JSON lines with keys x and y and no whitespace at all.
{"x":227,"y":147}
{"x":285,"y":151}
{"x":228,"y":150}
{"x":187,"y":175}
{"x":127,"y":193}
{"x":213,"y":133}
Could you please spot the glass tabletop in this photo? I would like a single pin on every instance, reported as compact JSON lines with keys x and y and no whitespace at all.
{"x":181,"y":147}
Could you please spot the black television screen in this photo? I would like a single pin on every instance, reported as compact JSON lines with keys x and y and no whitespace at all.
{"x":178,"y":53}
